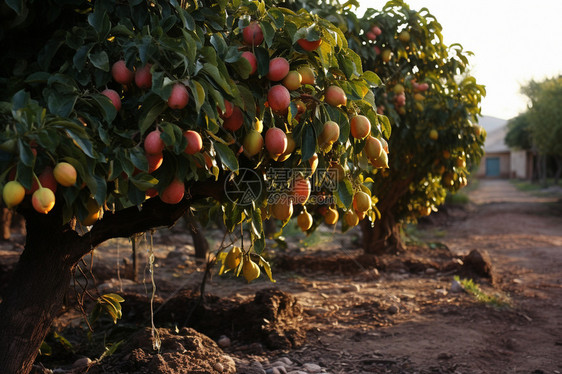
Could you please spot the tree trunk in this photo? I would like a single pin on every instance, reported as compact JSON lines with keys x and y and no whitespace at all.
{"x":5,"y":223}
{"x":558,"y":173}
{"x":35,"y":293}
{"x":200,"y":242}
{"x":382,"y":237}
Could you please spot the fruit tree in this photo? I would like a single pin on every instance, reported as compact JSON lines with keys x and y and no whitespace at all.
{"x":118,"y":117}
{"x":433,"y":102}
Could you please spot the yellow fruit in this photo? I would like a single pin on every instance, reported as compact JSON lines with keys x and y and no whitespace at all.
{"x":250,"y":270}
{"x":233,"y":258}
{"x":13,"y":193}
{"x":331,"y":216}
{"x":304,"y":220}
{"x":65,"y":174}
{"x":282,"y":210}
{"x":91,"y":219}
{"x":361,"y":201}
{"x":43,"y":200}
{"x":351,"y":218}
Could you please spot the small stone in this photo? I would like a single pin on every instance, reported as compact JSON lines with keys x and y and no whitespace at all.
{"x":297,"y":372}
{"x":224,"y":341}
{"x":285,"y":360}
{"x":218,"y":367}
{"x":444,"y":356}
{"x":430,"y":271}
{"x":393,"y":309}
{"x":351,"y":288}
{"x":312,"y":368}
{"x":81,"y":362}
{"x":441,"y":292}
{"x":257,"y":364}
{"x":456,"y":287}
{"x":517,"y":281}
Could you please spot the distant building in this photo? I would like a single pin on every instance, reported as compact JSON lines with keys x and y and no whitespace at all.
{"x":500,"y":161}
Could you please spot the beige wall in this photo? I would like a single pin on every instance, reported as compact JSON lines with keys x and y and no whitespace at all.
{"x":505,"y":165}
{"x":519,"y":164}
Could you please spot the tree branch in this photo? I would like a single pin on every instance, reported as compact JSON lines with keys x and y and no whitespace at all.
{"x":136,"y":219}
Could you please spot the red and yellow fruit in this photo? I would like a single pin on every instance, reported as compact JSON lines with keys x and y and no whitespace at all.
{"x":65,"y":174}
{"x":278,"y":69}
{"x":194,"y":142}
{"x":253,"y":143}
{"x":153,"y":143}
{"x":360,"y":127}
{"x":335,"y":96}
{"x":179,"y":97}
{"x":275,"y":141}
{"x":43,"y":200}
{"x":304,"y":220}
{"x":13,"y":194}
{"x":279,"y":98}
{"x":252,"y":34}
{"x":173,"y":194}
{"x":114,"y":97}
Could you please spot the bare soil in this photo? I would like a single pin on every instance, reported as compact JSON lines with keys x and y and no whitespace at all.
{"x":331,"y":305}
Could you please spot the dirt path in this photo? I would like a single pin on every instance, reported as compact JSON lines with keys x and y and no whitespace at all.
{"x":403,"y":319}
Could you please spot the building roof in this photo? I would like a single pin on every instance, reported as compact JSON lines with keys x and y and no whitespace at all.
{"x":496,"y":129}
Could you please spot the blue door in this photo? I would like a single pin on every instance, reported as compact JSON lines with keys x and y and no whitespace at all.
{"x":493,"y":167}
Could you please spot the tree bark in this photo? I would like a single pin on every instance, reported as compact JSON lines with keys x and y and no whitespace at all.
{"x":200,"y":242}
{"x":42,"y":276}
{"x":5,"y":223}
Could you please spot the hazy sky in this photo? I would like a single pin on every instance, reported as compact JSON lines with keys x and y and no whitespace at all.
{"x":513,"y":41}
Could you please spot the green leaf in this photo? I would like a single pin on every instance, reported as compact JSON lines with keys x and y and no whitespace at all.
{"x":148,"y":116}
{"x":345,"y":192}
{"x":268,"y":33}
{"x":26,"y":155}
{"x":100,"y":60}
{"x":83,"y":143}
{"x":198,"y":92}
{"x":16,"y":5}
{"x":214,"y":73}
{"x":227,"y":156}
{"x":308,"y":143}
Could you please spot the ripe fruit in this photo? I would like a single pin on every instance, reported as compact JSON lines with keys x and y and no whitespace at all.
{"x":257,"y":125}
{"x":114,"y":97}
{"x":386,"y":55}
{"x":179,"y":97}
{"x":460,"y":162}
{"x":252,"y":60}
{"x":291,"y":145}
{"x":235,"y":121}
{"x":446,"y":154}
{"x":373,"y":147}
{"x":380,"y":162}
{"x":65,"y":174}
{"x":46,"y":178}
{"x":331,"y":217}
{"x":361,"y":201}
{"x":433,"y":134}
{"x":228,"y":108}
{"x":419,"y":97}
{"x":404,"y":36}
{"x":173,"y":194}
{"x":337,"y":172}
{"x":330,"y":133}
{"x":43,"y":200}
{"x":153,"y":144}
{"x":304,"y":220}
{"x":360,"y":127}
{"x":400,"y":99}
{"x":293,"y":80}
{"x":351,"y":218}
{"x":143,"y":77}
{"x":13,"y":193}
{"x":253,"y":143}
{"x":275,"y":141}
{"x":93,"y":213}
{"x":422,"y":87}
{"x":301,"y":190}
{"x":335,"y":96}
{"x":371,"y":35}
{"x":279,"y":98}
{"x":233,"y":258}
{"x":278,"y":69}
{"x":307,"y":75}
{"x":250,"y":270}
{"x":376,"y":30}
{"x":384,"y":145}
{"x":313,"y":161}
{"x":252,"y":34}
{"x":282,"y":210}
{"x":154,"y":161}
{"x":120,"y":73}
{"x":308,"y":45}
{"x":398,"y":89}
{"x":194,"y":142}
